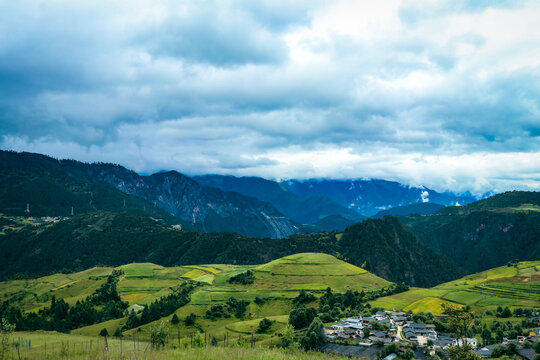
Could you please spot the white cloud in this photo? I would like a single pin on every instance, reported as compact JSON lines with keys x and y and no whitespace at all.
{"x":443,"y":94}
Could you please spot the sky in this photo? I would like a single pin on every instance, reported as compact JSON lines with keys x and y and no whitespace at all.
{"x":444,"y":94}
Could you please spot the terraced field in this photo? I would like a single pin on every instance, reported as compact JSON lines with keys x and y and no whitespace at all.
{"x":315,"y":272}
{"x":34,"y":294}
{"x":276,"y":283}
{"x":513,"y":286}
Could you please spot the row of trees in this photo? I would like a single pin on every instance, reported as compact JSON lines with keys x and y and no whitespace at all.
{"x":232,"y":306}
{"x":164,"y":306}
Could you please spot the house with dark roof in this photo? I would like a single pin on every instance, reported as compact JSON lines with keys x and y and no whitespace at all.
{"x":528,"y":354}
{"x":368,"y":319}
{"x":485,"y":351}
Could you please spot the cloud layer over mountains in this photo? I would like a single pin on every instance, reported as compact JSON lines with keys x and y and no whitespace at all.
{"x":446,"y":95}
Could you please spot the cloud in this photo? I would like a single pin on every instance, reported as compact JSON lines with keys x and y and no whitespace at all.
{"x":440,"y":94}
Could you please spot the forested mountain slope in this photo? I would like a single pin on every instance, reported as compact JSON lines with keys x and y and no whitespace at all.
{"x":52,"y":186}
{"x":484,"y":234}
{"x":109,"y":238}
{"x":303,"y":210}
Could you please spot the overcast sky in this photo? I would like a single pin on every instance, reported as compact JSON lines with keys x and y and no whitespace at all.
{"x":440,"y":93}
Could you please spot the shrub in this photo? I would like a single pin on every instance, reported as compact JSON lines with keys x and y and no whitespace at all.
{"x":264,"y":325}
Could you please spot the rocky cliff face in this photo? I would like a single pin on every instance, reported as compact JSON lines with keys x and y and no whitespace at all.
{"x":207,"y":208}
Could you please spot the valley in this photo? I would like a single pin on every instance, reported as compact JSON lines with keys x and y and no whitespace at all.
{"x":270,"y":291}
{"x":214,"y":264}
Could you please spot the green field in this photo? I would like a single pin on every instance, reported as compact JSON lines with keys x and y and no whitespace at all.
{"x":510,"y":286}
{"x":36,"y":293}
{"x":52,"y":345}
{"x":314,"y":272}
{"x":527,"y":207}
{"x":276,"y":283}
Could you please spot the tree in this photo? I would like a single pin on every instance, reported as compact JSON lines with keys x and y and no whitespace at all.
{"x":175,"y":320}
{"x":506,"y":313}
{"x":258,"y":301}
{"x":536,"y":346}
{"x":464,"y":352}
{"x":105,"y":335}
{"x":264,"y":325}
{"x":304,"y":297}
{"x":5,"y":334}
{"x":132,"y":321}
{"x":367,"y":332}
{"x":118,"y":333}
{"x":409,"y":354}
{"x":158,"y":334}
{"x":241,"y":308}
{"x":486,"y":336}
{"x":198,"y":340}
{"x":314,"y":336}
{"x":190,"y":319}
{"x":459,"y":321}
{"x":288,"y":337}
{"x":302,"y":317}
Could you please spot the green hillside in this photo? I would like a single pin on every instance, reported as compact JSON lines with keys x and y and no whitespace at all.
{"x":270,"y":295}
{"x":484,"y":234}
{"x":267,"y":291}
{"x":39,"y":182}
{"x":389,"y":250}
{"x":512,"y":286}
{"x":37,"y":248}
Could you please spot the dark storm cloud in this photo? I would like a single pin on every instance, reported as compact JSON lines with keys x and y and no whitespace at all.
{"x":277,"y":89}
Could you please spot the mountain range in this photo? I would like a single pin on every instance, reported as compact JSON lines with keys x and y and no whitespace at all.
{"x":370,"y":196}
{"x":113,"y":238}
{"x":248,"y":205}
{"x":110,"y":215}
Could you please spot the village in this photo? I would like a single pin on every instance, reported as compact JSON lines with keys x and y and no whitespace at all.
{"x":387,"y":327}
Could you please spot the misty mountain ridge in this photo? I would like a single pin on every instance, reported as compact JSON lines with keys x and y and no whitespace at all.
{"x":370,"y":196}
{"x":251,"y":206}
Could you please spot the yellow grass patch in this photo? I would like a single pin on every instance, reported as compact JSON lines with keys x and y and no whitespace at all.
{"x":428,"y":304}
{"x":353,"y":268}
{"x":192,"y":274}
{"x":133,"y":298}
{"x":64,"y":285}
{"x":207,"y":268}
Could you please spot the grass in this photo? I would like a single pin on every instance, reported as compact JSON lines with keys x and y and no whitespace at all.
{"x":195,"y":273}
{"x":250,"y":326}
{"x":52,"y":345}
{"x":34,"y":294}
{"x":276,"y":282}
{"x":310,"y":264}
{"x":142,"y":283}
{"x":427,"y":304}
{"x":138,"y":270}
{"x":510,"y":286}
{"x":527,"y":207}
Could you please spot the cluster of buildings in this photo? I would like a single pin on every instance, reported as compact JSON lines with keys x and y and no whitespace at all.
{"x":524,"y":353}
{"x":383,"y":327}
